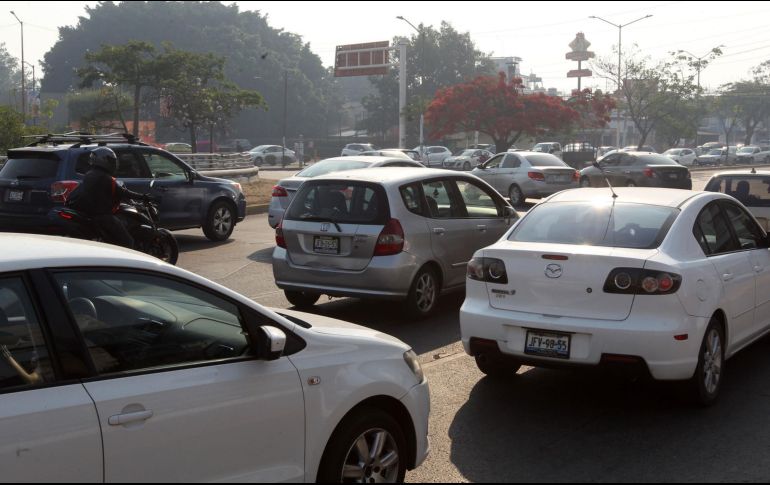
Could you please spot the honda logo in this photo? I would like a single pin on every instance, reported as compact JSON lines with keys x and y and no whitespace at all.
{"x":325,"y":227}
{"x":554,"y":271}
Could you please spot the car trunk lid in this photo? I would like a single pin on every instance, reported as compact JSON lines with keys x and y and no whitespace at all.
{"x":25,"y":182}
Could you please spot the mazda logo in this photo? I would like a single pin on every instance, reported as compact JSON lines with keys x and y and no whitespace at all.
{"x":554,"y":271}
{"x":324,"y":227}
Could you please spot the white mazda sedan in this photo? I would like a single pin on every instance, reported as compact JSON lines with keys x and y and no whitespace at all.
{"x":671,"y":280}
{"x":116,"y":367}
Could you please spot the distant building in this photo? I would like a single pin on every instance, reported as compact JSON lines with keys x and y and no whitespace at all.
{"x":510,"y":66}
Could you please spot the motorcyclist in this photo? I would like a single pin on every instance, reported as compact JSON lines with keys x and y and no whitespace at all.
{"x":100,"y":195}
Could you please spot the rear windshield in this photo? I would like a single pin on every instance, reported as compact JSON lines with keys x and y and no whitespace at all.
{"x":619,"y":225}
{"x":341,"y":202}
{"x":656,"y":160}
{"x":328,"y":166}
{"x":545,"y":161}
{"x":30,"y":165}
{"x":750,"y":190}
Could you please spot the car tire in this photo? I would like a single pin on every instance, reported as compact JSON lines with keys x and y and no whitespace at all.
{"x":423,"y":294}
{"x":495,"y":369}
{"x":705,"y":384}
{"x":467,"y":166}
{"x":349,"y":454}
{"x":220,"y":221}
{"x":585,"y":182}
{"x":258,"y":161}
{"x":164,"y":247}
{"x":302,"y":299}
{"x":631,"y":184}
{"x":516,"y":196}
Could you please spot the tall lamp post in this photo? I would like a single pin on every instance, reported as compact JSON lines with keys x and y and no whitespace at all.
{"x":620,"y":51}
{"x":23,"y":89}
{"x":34,"y":108}
{"x":422,"y":119}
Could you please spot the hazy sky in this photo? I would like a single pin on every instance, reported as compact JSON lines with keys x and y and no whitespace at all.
{"x":538,"y":32}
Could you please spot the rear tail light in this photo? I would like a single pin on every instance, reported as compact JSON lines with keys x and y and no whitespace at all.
{"x":279,"y":191}
{"x":576,"y":176}
{"x":491,"y":270}
{"x":280,"y":241}
{"x":62,"y":189}
{"x":390,"y":240}
{"x":537,"y":176}
{"x":634,"y":281}
{"x":648,"y":172}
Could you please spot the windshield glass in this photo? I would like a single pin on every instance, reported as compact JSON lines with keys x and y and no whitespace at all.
{"x":672,"y":152}
{"x":746,"y":150}
{"x":715,"y":152}
{"x":339,"y":202}
{"x":464,"y":152}
{"x":618,"y":224}
{"x":30,"y":165}
{"x":545,"y":160}
{"x":541,"y":147}
{"x":328,"y":166}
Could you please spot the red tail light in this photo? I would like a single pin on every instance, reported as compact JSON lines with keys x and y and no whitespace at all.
{"x":280,"y":241}
{"x":64,"y":215}
{"x":391,"y":239}
{"x":633,"y":281}
{"x":279,"y":191}
{"x":62,"y":189}
{"x":648,"y":172}
{"x":537,"y":176}
{"x":576,"y":177}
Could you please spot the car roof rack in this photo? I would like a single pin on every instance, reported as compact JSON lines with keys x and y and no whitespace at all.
{"x":78,"y":138}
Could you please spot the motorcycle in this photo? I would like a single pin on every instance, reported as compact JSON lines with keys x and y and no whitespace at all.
{"x":141,"y":219}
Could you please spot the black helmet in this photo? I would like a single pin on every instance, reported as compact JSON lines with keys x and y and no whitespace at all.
{"x":105,"y":158}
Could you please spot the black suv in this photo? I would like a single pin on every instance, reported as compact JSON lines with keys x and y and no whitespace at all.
{"x":40,"y":176}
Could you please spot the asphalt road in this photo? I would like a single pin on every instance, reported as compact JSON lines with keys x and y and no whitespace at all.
{"x":540,"y":425}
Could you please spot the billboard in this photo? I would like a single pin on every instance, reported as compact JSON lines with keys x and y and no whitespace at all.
{"x":368,"y":59}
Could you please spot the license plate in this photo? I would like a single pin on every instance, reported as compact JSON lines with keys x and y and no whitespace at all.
{"x":15,"y":195}
{"x":326,"y":245}
{"x":673,"y":176}
{"x":547,"y":344}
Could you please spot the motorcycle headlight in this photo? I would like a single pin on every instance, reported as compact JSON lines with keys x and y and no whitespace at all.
{"x":414,"y":365}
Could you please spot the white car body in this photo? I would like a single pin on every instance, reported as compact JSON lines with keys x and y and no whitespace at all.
{"x":243,"y":419}
{"x":271,"y":155}
{"x":665,"y":331}
{"x":683,"y":156}
{"x":356,"y":149}
{"x":753,"y":154}
{"x":434,"y":156}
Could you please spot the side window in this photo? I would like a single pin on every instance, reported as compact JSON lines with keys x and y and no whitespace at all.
{"x":611,"y":160}
{"x":626,"y":160}
{"x":479,"y":201}
{"x":495,"y":162}
{"x":713,"y":233}
{"x":511,"y":161}
{"x":131,"y":167}
{"x":412,"y":198}
{"x":163,"y":167}
{"x":750,"y":236}
{"x":24,"y":360}
{"x":132,"y":321}
{"x":440,"y":203}
{"x":83,"y":164}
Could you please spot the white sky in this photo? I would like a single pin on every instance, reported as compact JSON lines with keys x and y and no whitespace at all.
{"x":538,"y":32}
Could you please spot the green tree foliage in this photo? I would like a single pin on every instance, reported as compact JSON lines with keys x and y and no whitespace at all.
{"x":8,"y":73}
{"x":99,"y":110}
{"x":257,"y":55}
{"x":11,"y":129}
{"x":436,"y":59}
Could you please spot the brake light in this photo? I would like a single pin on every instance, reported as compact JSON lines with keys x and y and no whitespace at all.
{"x":279,"y":191}
{"x":390,"y":240}
{"x":576,"y":176}
{"x":491,"y":270}
{"x":648,"y":172}
{"x":537,"y":176}
{"x":280,"y":241}
{"x":64,"y":215}
{"x":634,"y":281}
{"x":62,"y":189}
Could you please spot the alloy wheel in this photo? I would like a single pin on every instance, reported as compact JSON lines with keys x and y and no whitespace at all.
{"x":373,"y":458}
{"x":426,"y":292}
{"x":712,"y":361}
{"x":223,"y":221}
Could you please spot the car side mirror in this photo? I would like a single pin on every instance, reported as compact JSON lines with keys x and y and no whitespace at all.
{"x":152,"y":183}
{"x":509,"y":213}
{"x":269,"y":343}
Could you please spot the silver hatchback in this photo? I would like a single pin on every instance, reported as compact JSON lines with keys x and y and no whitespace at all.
{"x":386,"y":233}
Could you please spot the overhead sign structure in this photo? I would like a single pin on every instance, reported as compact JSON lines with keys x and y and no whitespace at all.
{"x":369,"y":59}
{"x":580,"y":53}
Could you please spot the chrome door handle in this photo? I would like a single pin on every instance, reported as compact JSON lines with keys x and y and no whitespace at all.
{"x":439,"y":230}
{"x":727,"y":277}
{"x":482,"y":228}
{"x":128,"y":418}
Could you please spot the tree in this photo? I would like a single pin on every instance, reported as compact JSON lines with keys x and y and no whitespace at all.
{"x":97,"y":110}
{"x":496,"y":108}
{"x":8,"y":72}
{"x":11,"y":129}
{"x":129,"y":66}
{"x":726,"y":108}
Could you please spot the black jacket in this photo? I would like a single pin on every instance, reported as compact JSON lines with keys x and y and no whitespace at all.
{"x":100,"y":194}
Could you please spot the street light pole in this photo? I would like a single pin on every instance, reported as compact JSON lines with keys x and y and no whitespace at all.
{"x":620,"y":51}
{"x":285,"y":110}
{"x":698,"y":66}
{"x":34,"y":85}
{"x":422,"y":117}
{"x":23,"y":89}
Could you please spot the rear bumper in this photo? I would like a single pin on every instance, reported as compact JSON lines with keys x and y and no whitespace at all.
{"x":29,"y":223}
{"x":540,"y":190}
{"x":385,"y":277}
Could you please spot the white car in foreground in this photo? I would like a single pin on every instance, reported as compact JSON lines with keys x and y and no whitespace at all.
{"x":671,"y":280}
{"x":115,"y":367}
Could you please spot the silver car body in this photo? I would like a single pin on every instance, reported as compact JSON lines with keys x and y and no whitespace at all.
{"x":434,"y":156}
{"x":260,"y":154}
{"x":436,"y":233}
{"x":279,"y":204}
{"x":505,"y":171}
{"x":467,"y":160}
{"x":352,"y":149}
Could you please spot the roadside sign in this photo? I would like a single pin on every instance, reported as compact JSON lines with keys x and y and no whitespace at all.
{"x":368,"y":59}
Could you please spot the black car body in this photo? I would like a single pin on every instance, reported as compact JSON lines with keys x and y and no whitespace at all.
{"x":37,"y":178}
{"x":637,"y":169}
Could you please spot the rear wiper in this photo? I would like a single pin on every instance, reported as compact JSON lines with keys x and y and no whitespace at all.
{"x":309,"y":217}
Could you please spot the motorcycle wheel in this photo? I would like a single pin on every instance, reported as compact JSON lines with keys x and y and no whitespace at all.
{"x":164,"y":247}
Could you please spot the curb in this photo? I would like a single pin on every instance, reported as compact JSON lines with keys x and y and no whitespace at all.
{"x":256,"y":209}
{"x":725,"y":167}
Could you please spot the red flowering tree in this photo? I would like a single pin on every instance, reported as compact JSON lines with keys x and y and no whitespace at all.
{"x":498,"y":109}
{"x":594,"y":109}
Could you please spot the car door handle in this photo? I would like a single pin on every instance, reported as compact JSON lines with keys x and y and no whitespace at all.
{"x":727,"y":277}
{"x":128,"y":418}
{"x":482,"y":228}
{"x":439,"y":230}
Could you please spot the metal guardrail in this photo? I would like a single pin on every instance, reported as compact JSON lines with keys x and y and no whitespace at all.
{"x":217,"y":161}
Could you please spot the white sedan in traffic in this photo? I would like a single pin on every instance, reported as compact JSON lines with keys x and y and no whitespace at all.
{"x":116,"y":367}
{"x":669,"y":280}
{"x":683,"y":156}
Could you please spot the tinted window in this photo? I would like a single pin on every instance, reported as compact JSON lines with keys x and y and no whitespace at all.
{"x":412,"y":198}
{"x":545,"y":161}
{"x":131,"y":167}
{"x":135,"y":321}
{"x":750,"y":236}
{"x":494,"y":162}
{"x":163,"y":167}
{"x":479,"y":201}
{"x":30,"y":165}
{"x":655,"y":160}
{"x":751,"y":191}
{"x":343,"y":202}
{"x":24,"y":358}
{"x":713,"y":232}
{"x":612,"y":225}
{"x":511,"y":161}
{"x":328,"y":166}
{"x":440,"y":203}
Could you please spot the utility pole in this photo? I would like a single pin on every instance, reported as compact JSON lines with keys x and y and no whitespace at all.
{"x":620,"y":51}
{"x":422,"y":116}
{"x":402,"y":94}
{"x":285,"y":110}
{"x":23,"y":89}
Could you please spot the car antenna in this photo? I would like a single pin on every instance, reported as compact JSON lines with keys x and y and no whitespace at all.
{"x":606,"y":179}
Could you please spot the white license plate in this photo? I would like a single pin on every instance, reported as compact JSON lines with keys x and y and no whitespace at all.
{"x":15,"y":195}
{"x":560,"y":179}
{"x":673,"y":176}
{"x":547,"y":344}
{"x":326,"y":245}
